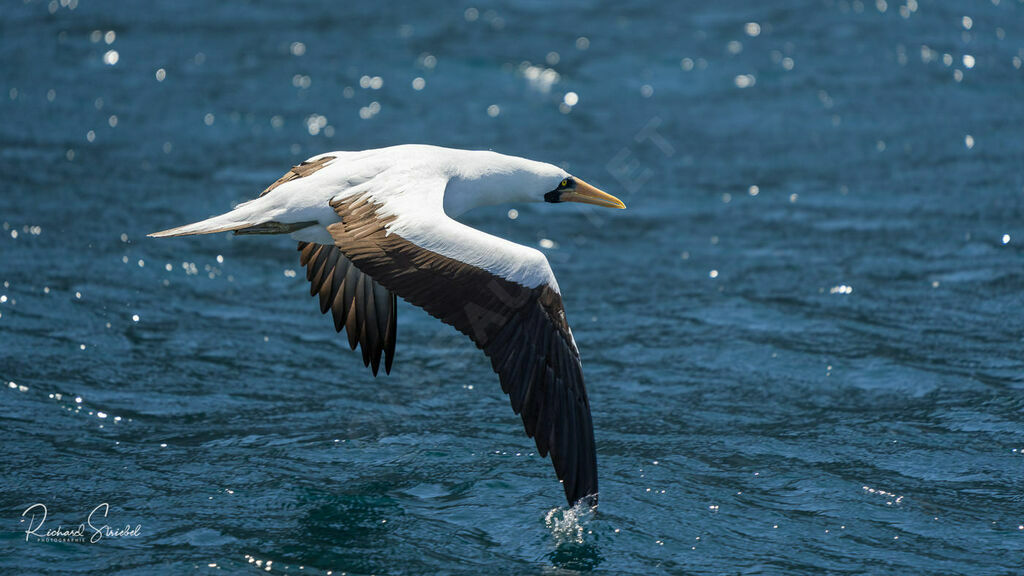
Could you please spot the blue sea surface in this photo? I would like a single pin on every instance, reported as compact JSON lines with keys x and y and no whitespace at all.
{"x":803,"y":341}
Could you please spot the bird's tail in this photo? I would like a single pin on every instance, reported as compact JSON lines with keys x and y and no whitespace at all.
{"x":247,"y":218}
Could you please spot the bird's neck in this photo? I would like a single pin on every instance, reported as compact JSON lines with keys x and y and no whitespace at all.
{"x":462,"y":195}
{"x":487,"y":178}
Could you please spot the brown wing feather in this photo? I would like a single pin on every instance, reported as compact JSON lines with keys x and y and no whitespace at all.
{"x":363,"y":307}
{"x":302,"y":170}
{"x":522,"y":330}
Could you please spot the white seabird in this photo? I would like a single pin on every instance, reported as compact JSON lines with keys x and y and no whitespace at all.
{"x":377,"y":224}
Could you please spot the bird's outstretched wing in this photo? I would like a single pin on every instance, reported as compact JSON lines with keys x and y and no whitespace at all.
{"x":504,"y":298}
{"x":367,"y":310}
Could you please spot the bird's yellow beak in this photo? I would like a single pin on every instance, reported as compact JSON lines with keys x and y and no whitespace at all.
{"x":587,"y":194}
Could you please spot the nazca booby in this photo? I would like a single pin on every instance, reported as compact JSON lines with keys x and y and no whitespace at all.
{"x":377,"y":224}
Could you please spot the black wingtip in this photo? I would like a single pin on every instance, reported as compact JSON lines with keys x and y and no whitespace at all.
{"x":590,"y":501}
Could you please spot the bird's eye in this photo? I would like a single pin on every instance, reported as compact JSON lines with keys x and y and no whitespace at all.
{"x":564,"y":184}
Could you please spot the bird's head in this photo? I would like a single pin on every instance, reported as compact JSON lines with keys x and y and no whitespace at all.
{"x":488,"y":178}
{"x":542,"y":180}
{"x":571,"y":189}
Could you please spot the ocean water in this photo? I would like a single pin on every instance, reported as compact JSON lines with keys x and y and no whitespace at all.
{"x":802,"y":342}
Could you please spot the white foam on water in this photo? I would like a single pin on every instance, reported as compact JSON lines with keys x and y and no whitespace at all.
{"x":567,"y":525}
